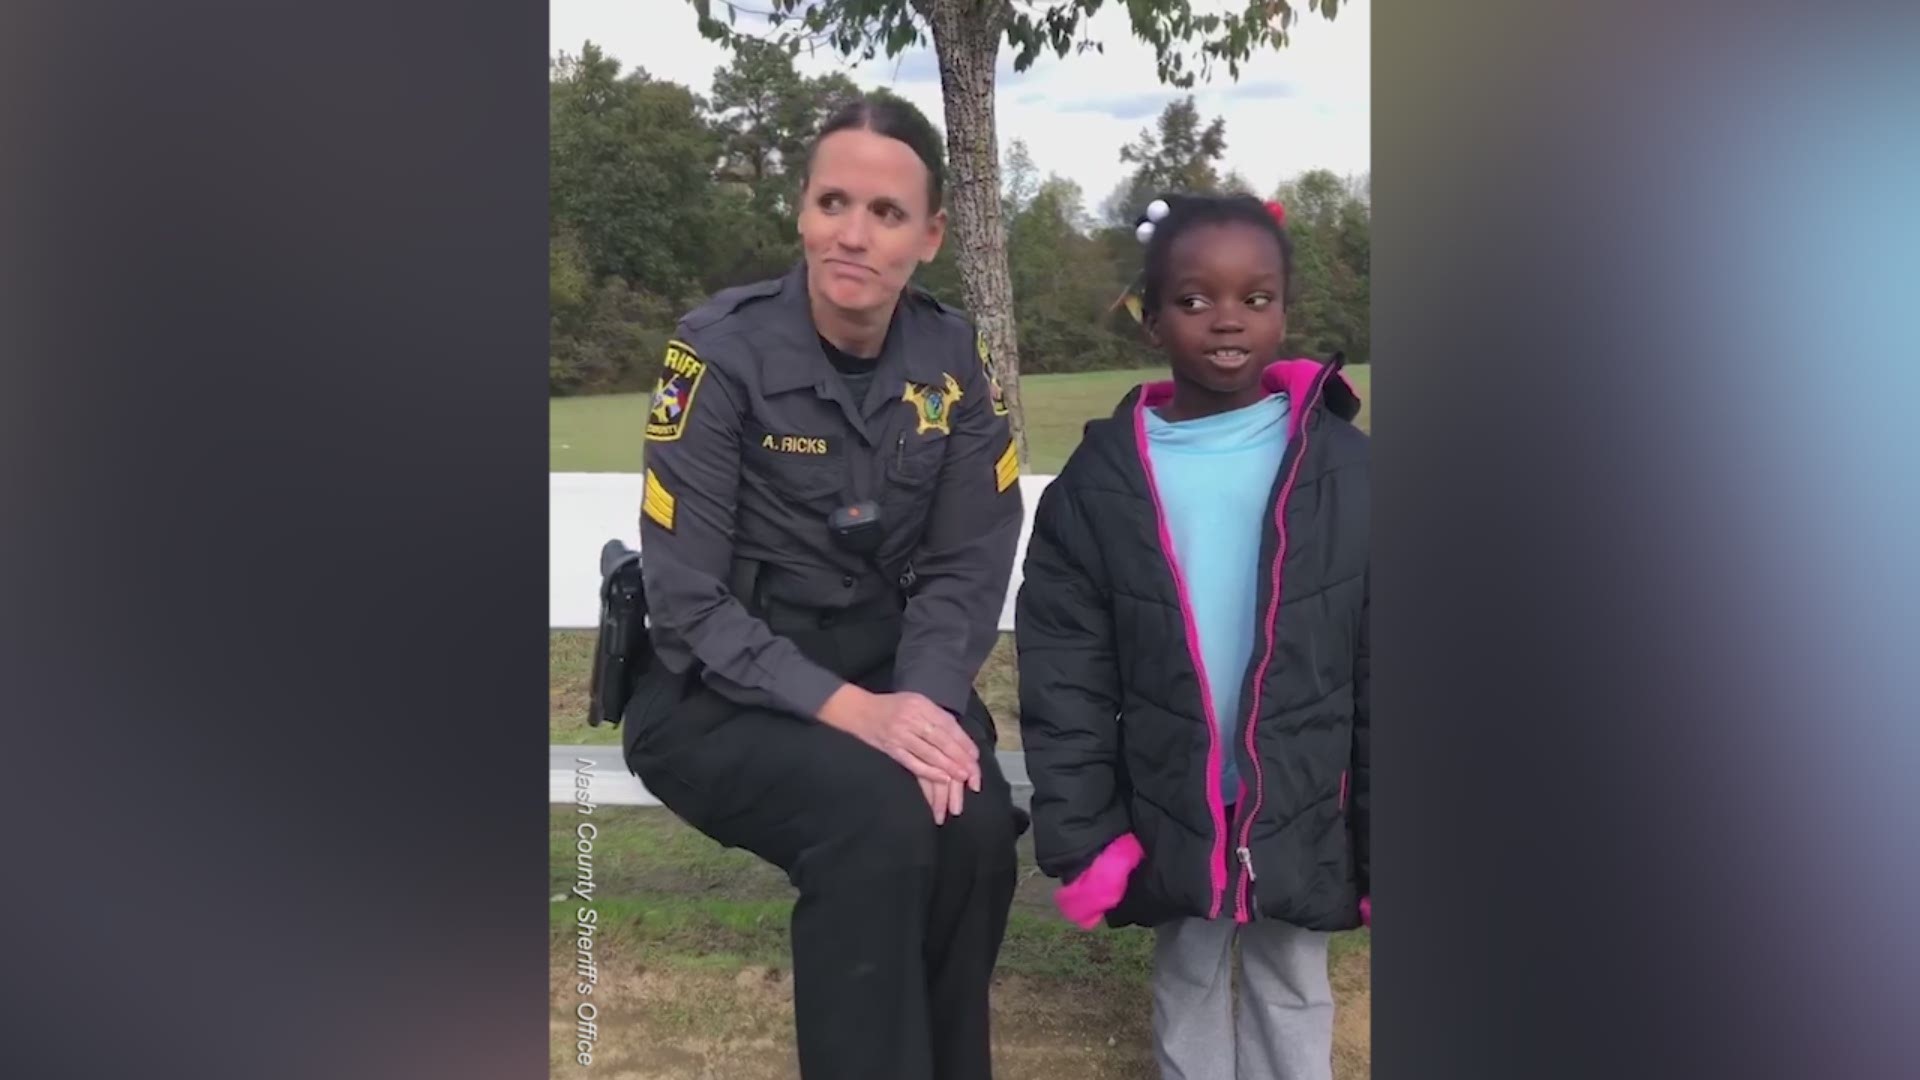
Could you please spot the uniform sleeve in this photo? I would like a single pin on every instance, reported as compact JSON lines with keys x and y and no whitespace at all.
{"x":1361,"y":817}
{"x":965,"y":557}
{"x":686,"y":542}
{"x":1069,"y":691}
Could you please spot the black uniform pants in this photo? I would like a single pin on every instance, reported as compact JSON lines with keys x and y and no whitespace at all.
{"x":899,"y":921}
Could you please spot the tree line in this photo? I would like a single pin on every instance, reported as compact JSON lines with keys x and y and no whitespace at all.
{"x":660,"y":196}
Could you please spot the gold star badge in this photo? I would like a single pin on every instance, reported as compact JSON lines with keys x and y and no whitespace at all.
{"x":933,"y":406}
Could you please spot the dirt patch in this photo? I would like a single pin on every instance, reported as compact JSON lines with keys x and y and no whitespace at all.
{"x":999,"y":686}
{"x":672,"y":1022}
{"x":1351,"y":972}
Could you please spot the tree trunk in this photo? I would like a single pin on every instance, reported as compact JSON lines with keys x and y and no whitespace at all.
{"x":966,"y":38}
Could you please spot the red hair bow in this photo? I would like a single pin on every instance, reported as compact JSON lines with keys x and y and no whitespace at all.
{"x":1279,"y":213}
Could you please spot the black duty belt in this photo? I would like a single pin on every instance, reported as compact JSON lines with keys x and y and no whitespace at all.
{"x":782,"y":616}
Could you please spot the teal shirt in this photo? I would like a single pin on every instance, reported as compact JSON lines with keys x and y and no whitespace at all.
{"x":1215,"y":476}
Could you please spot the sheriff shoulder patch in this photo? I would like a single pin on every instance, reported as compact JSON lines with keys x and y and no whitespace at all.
{"x":993,"y":380}
{"x":1006,"y":471}
{"x":933,"y":405}
{"x":657,"y":502}
{"x":680,"y":375}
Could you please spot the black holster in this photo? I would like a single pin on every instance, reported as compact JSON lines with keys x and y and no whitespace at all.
{"x":624,"y":652}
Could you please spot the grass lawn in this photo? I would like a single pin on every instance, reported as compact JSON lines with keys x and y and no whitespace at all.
{"x":603,"y":434}
{"x":694,"y":977}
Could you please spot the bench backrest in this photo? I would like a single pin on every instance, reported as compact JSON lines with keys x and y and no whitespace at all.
{"x":585,"y":510}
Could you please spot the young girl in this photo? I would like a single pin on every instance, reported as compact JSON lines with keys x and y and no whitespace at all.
{"x":1194,"y":684}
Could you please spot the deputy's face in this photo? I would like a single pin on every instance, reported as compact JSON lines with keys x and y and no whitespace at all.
{"x":866,"y":220}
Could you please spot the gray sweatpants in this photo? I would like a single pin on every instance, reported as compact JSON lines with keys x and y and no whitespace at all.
{"x":1284,"y":1030}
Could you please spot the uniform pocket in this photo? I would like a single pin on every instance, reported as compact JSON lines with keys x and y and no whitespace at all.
{"x":915,"y":460}
{"x":912,"y":471}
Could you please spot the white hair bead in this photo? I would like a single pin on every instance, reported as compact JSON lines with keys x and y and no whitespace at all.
{"x":1144,"y":232}
{"x":1158,"y":209}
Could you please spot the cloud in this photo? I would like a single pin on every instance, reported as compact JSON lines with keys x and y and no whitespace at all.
{"x":1140,"y":105}
{"x":1262,"y":90}
{"x":1124,"y":107}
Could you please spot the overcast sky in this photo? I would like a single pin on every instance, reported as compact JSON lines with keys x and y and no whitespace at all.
{"x":1302,"y":107}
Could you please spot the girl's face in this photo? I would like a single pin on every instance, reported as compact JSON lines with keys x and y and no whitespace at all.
{"x":1220,"y":320}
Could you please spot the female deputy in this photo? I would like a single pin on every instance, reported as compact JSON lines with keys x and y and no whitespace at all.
{"x":828,"y":525}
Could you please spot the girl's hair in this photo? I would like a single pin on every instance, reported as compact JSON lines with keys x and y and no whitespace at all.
{"x":1185,"y":212}
{"x":896,"y":119}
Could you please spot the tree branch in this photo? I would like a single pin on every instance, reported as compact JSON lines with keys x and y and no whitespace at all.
{"x":997,"y":19}
{"x":790,"y":33}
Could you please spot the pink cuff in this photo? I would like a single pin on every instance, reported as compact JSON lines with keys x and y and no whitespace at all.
{"x":1088,"y":898}
{"x":1366,"y":911}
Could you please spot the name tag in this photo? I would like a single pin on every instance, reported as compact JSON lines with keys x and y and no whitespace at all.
{"x":795,"y":444}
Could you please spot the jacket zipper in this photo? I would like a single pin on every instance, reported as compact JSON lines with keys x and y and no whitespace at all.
{"x":1241,"y":907}
{"x":1217,"y":875}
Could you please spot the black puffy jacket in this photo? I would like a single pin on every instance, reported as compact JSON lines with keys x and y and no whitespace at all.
{"x":1117,"y":736}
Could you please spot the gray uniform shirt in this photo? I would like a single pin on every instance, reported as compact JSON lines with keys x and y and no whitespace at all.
{"x":753,"y":439}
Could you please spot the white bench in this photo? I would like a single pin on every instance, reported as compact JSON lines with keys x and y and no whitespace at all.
{"x":585,"y":510}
